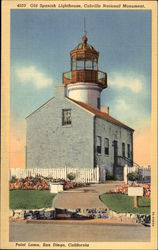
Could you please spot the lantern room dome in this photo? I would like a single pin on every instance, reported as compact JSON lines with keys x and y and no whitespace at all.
{"x":84,"y":46}
{"x":88,"y":46}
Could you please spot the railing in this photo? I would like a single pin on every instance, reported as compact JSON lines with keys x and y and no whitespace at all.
{"x":67,"y":77}
{"x":102,"y":78}
{"x":122,"y":160}
{"x":94,"y":76}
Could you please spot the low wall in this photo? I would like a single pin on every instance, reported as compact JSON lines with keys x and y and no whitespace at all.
{"x":52,"y":214}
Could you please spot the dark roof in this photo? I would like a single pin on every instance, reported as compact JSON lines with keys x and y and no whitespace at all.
{"x":102,"y":115}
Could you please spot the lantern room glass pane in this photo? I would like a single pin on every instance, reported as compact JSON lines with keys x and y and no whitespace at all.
{"x":95,"y":64}
{"x":73,"y":63}
{"x":88,"y":64}
{"x":80,"y":65}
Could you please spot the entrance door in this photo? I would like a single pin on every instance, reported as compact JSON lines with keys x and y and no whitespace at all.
{"x":115,"y":143}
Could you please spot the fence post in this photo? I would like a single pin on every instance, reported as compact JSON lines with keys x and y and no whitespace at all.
{"x":125,"y":174}
{"x":97,"y":174}
{"x":65,"y":170}
{"x":10,"y":174}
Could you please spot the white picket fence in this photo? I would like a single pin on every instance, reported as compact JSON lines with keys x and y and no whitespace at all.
{"x":87,"y":175}
{"x":145,"y":172}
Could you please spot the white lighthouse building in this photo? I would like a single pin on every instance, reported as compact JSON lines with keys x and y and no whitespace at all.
{"x":71,"y":129}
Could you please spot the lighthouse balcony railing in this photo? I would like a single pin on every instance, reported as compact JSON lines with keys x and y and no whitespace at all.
{"x":92,"y":76}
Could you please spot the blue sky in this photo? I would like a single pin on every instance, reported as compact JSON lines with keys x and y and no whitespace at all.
{"x":42,"y":39}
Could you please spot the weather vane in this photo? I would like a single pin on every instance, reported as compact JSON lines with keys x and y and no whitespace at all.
{"x":85,"y":32}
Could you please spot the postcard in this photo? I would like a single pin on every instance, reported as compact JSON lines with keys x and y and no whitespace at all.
{"x":79,"y":125}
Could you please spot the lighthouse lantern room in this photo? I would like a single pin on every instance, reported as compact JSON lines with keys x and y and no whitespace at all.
{"x":84,"y":81}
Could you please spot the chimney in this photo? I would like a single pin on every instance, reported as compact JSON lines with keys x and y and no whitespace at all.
{"x":60,"y":91}
{"x":105,"y":109}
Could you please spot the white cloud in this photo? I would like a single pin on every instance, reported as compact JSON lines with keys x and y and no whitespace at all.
{"x":130,"y":113}
{"x":129,"y":81}
{"x":121,"y":105}
{"x":33,"y":76}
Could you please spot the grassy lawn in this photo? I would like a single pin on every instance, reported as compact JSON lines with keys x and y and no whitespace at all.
{"x":123,"y":203}
{"x":30,"y":199}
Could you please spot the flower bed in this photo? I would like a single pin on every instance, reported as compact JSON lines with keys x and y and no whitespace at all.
{"x":69,"y":185}
{"x":29,"y":183}
{"x":40,"y":183}
{"x":124,"y":187}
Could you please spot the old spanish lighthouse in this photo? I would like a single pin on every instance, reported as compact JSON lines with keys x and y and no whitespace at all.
{"x":72,"y":129}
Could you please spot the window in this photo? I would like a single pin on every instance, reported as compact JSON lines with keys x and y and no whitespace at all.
{"x":128,"y":150}
{"x":89,"y":64}
{"x":106,"y":146}
{"x":66,"y":117}
{"x":123,"y":149}
{"x":98,"y":102}
{"x":99,"y":144}
{"x":80,"y":64}
{"x":73,"y":63}
{"x":95,"y":64}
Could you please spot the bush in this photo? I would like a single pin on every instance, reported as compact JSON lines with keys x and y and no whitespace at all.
{"x":133,"y":176}
{"x":71,"y":176}
{"x":108,"y":175}
{"x":13,"y":179}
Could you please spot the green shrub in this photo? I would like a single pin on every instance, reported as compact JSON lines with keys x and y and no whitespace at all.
{"x":13,"y":179}
{"x":71,"y":176}
{"x":108,"y":175}
{"x":133,"y":176}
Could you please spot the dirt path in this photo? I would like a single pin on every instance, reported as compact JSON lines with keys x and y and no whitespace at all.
{"x":87,"y":197}
{"x":76,"y":232}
